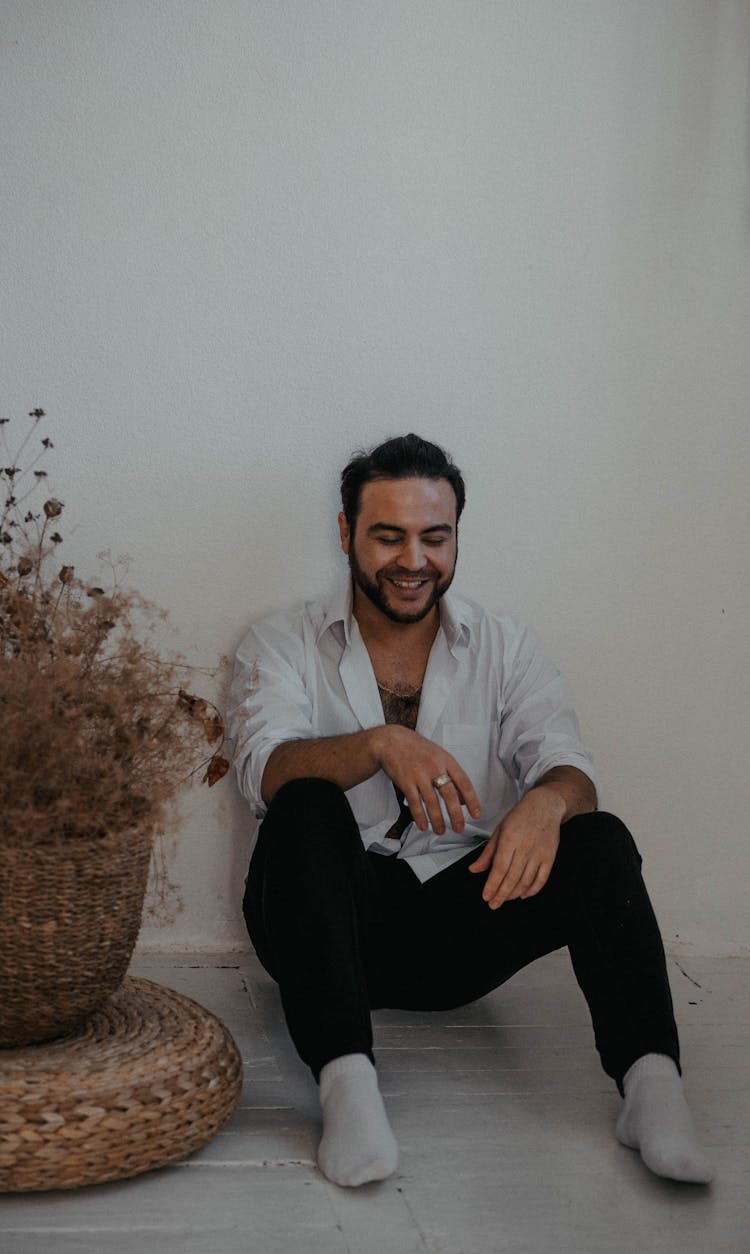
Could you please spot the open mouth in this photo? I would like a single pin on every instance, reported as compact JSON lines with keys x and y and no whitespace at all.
{"x":409,"y":585}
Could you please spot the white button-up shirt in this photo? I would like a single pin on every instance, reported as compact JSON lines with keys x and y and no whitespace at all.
{"x":489,"y":697}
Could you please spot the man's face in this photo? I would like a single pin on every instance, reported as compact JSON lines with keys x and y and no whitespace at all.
{"x":403,"y":551}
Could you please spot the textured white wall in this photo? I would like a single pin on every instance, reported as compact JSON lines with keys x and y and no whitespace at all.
{"x":242,"y":239}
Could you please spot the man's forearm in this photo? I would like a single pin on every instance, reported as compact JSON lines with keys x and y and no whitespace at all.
{"x":345,"y":760}
{"x":572,"y":787}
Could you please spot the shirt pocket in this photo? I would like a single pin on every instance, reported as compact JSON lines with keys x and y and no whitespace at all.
{"x":475,"y":748}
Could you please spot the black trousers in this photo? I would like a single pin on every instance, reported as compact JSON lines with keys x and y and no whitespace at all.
{"x":344,"y":931}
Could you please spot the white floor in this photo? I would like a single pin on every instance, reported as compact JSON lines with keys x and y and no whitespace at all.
{"x":504,"y":1120}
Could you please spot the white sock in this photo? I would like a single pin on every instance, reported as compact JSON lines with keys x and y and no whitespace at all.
{"x":656,"y":1120}
{"x":357,"y":1143}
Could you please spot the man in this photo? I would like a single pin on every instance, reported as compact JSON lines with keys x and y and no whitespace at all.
{"x":430,"y":823}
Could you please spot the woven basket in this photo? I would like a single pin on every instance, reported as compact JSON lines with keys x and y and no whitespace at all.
{"x":149,"y":1080}
{"x":69,"y":917}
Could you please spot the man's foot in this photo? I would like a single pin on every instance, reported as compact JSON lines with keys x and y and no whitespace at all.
{"x":656,"y":1120}
{"x":357,"y":1144}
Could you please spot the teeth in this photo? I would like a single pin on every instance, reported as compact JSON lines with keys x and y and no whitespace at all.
{"x":408,"y":583}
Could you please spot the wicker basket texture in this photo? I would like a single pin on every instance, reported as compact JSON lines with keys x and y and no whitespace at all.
{"x":70,"y":913}
{"x":150,"y":1079}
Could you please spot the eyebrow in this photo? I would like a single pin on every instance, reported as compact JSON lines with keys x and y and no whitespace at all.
{"x":443,"y":528}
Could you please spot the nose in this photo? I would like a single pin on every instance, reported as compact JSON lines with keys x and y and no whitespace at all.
{"x":412,"y":556}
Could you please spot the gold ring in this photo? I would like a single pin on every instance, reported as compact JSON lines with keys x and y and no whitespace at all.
{"x":441,"y":780}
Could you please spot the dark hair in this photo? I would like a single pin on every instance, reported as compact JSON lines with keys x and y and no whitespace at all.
{"x":405,"y":457}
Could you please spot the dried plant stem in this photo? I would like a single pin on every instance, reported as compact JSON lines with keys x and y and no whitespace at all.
{"x":98,"y":734}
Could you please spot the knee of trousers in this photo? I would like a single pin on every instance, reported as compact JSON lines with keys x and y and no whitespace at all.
{"x":598,"y":841}
{"x":308,"y":818}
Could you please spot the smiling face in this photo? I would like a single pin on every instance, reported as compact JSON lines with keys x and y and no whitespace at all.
{"x":402,"y":553}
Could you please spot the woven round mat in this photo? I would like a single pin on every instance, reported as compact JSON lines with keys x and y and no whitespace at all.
{"x":149,"y":1079}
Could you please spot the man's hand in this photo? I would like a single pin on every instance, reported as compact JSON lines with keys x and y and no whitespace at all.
{"x":522,"y":849}
{"x":414,"y":763}
{"x":411,"y":761}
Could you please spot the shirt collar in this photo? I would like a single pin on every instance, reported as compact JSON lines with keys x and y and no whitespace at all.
{"x":455,"y":619}
{"x":339,"y":609}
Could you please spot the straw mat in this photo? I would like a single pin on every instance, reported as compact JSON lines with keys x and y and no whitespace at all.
{"x":149,"y":1079}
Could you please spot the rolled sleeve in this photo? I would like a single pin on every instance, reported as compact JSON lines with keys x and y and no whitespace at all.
{"x":269,"y":704}
{"x":539,"y":728}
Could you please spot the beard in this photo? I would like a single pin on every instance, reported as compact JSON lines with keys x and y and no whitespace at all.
{"x":375,"y":590}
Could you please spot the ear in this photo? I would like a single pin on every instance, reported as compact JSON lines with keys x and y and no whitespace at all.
{"x":344,"y":532}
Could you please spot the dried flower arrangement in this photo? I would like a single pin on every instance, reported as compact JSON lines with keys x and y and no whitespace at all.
{"x":98,"y":732}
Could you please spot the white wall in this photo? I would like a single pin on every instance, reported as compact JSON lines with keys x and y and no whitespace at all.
{"x":243,"y":238}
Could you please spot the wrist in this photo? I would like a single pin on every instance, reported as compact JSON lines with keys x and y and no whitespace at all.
{"x":554,"y":798}
{"x":377,"y":741}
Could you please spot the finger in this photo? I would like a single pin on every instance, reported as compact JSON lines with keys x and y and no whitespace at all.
{"x":503,"y":875}
{"x":465,"y":789}
{"x":485,"y":858}
{"x":429,"y":796}
{"x":482,"y":862}
{"x":517,"y":883}
{"x":414,"y":802}
{"x":508,"y":892}
{"x":538,"y":883}
{"x":452,"y":803}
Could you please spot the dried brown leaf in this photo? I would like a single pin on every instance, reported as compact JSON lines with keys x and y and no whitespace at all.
{"x":216,"y":770}
{"x":213,"y":727}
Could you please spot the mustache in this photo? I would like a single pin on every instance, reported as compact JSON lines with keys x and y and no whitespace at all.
{"x":396,"y":573}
